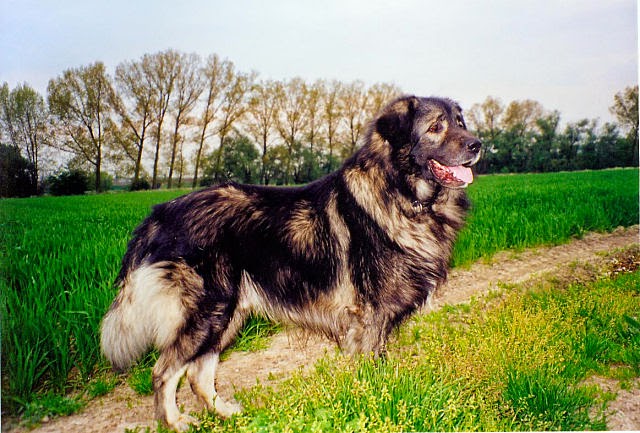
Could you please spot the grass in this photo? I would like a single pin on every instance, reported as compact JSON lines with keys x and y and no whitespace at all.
{"x":50,"y":404}
{"x":517,"y":362}
{"x":60,"y":255}
{"x":254,"y":335}
{"x":520,"y":211}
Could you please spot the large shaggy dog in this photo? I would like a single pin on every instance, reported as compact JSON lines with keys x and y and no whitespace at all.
{"x":349,"y":256}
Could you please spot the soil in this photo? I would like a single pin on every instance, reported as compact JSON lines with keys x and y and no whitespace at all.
{"x":123,"y":408}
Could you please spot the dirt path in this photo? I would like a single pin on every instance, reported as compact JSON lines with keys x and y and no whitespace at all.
{"x":124,"y":409}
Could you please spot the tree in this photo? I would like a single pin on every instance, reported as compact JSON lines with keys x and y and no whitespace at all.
{"x":354,"y":108}
{"x":161,"y":71}
{"x":520,"y":116}
{"x":544,"y":145}
{"x":217,"y":75}
{"x":234,"y":106}
{"x":485,"y":118}
{"x":315,"y":96}
{"x":15,"y":173}
{"x":188,"y":87}
{"x":379,"y":95}
{"x":240,"y":162}
{"x":313,"y":109}
{"x":24,"y":119}
{"x":293,"y":118}
{"x":575,"y":150}
{"x":277,"y":160}
{"x":331,"y":116}
{"x":134,"y":104}
{"x":80,"y":100}
{"x":609,"y":152}
{"x":261,"y":117}
{"x":5,"y":114}
{"x":625,"y":108}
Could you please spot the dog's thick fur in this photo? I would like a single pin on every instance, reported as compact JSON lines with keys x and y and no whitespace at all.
{"x":349,"y":256}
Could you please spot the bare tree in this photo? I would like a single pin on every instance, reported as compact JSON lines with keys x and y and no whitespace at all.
{"x":188,"y":87}
{"x":217,"y":76}
{"x":79,"y":100}
{"x":332,"y":115}
{"x":161,"y":71}
{"x":134,"y":104}
{"x":261,"y":117}
{"x":521,"y":116}
{"x":379,"y":95}
{"x":234,"y":106}
{"x":486,"y":117}
{"x":293,"y":117}
{"x":354,"y":108}
{"x":315,"y":97}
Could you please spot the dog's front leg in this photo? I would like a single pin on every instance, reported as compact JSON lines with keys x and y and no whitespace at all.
{"x":367,"y":333}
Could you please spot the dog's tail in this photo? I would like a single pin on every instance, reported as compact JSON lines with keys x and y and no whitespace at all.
{"x":148,"y":311}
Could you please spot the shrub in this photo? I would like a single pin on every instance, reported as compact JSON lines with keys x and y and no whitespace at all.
{"x":70,"y":182}
{"x":140,"y":184}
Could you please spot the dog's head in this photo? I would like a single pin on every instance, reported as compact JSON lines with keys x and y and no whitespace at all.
{"x":431,"y":139}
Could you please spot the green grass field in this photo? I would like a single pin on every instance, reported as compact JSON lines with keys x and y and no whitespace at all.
{"x":59,"y":257}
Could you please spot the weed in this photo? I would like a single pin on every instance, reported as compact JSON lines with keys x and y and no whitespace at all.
{"x":542,"y":400}
{"x":50,"y":405}
{"x":101,"y":386}
{"x":141,"y":375}
{"x":254,"y":335}
{"x":141,"y":380}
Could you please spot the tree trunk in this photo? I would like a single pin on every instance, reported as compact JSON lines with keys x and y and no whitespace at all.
{"x":216,"y":173}
{"x":136,"y":171}
{"x":194,"y":184}
{"x":157,"y":155}
{"x":263,"y":174}
{"x":98,"y":165}
{"x":174,"y":145}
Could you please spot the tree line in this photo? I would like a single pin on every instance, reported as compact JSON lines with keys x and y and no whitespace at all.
{"x":524,"y":137}
{"x":171,"y":116}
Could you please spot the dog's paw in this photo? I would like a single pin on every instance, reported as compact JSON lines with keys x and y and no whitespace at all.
{"x":225,"y":409}
{"x":183,"y":423}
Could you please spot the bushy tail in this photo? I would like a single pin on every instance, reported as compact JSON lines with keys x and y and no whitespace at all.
{"x":146,"y":312}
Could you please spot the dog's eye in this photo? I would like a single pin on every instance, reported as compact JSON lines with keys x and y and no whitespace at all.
{"x":460,"y":122}
{"x":435,"y":128}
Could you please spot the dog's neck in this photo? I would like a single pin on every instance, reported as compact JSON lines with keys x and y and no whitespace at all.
{"x":419,"y":195}
{"x":425,"y":196}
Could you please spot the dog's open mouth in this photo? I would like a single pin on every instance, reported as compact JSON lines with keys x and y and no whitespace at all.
{"x":452,"y":177}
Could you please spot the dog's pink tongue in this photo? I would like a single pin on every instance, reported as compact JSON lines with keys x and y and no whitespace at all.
{"x":462,"y":173}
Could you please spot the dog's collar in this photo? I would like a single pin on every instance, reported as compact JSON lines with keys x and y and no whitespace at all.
{"x":423,"y":206}
{"x":420,"y":206}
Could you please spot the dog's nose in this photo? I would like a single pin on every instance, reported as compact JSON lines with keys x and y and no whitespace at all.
{"x":474,"y":145}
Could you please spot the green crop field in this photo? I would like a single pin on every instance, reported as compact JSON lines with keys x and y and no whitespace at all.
{"x":59,"y":257}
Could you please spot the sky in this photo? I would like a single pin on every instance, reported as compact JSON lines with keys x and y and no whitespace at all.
{"x":572,"y":56}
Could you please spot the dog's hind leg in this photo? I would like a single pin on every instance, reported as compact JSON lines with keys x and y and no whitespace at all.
{"x":166,"y":376}
{"x":202,"y":372}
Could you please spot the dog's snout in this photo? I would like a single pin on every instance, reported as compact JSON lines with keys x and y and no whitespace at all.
{"x":474,"y":145}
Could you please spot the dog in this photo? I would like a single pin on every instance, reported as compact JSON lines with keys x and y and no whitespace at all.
{"x":349,"y":256}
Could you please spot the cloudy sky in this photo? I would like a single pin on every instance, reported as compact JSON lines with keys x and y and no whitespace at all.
{"x":570,"y":55}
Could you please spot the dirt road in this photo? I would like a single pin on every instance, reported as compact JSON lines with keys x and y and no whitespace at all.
{"x":124,"y":409}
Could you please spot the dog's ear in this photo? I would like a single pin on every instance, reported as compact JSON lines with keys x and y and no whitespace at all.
{"x":396,"y":121}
